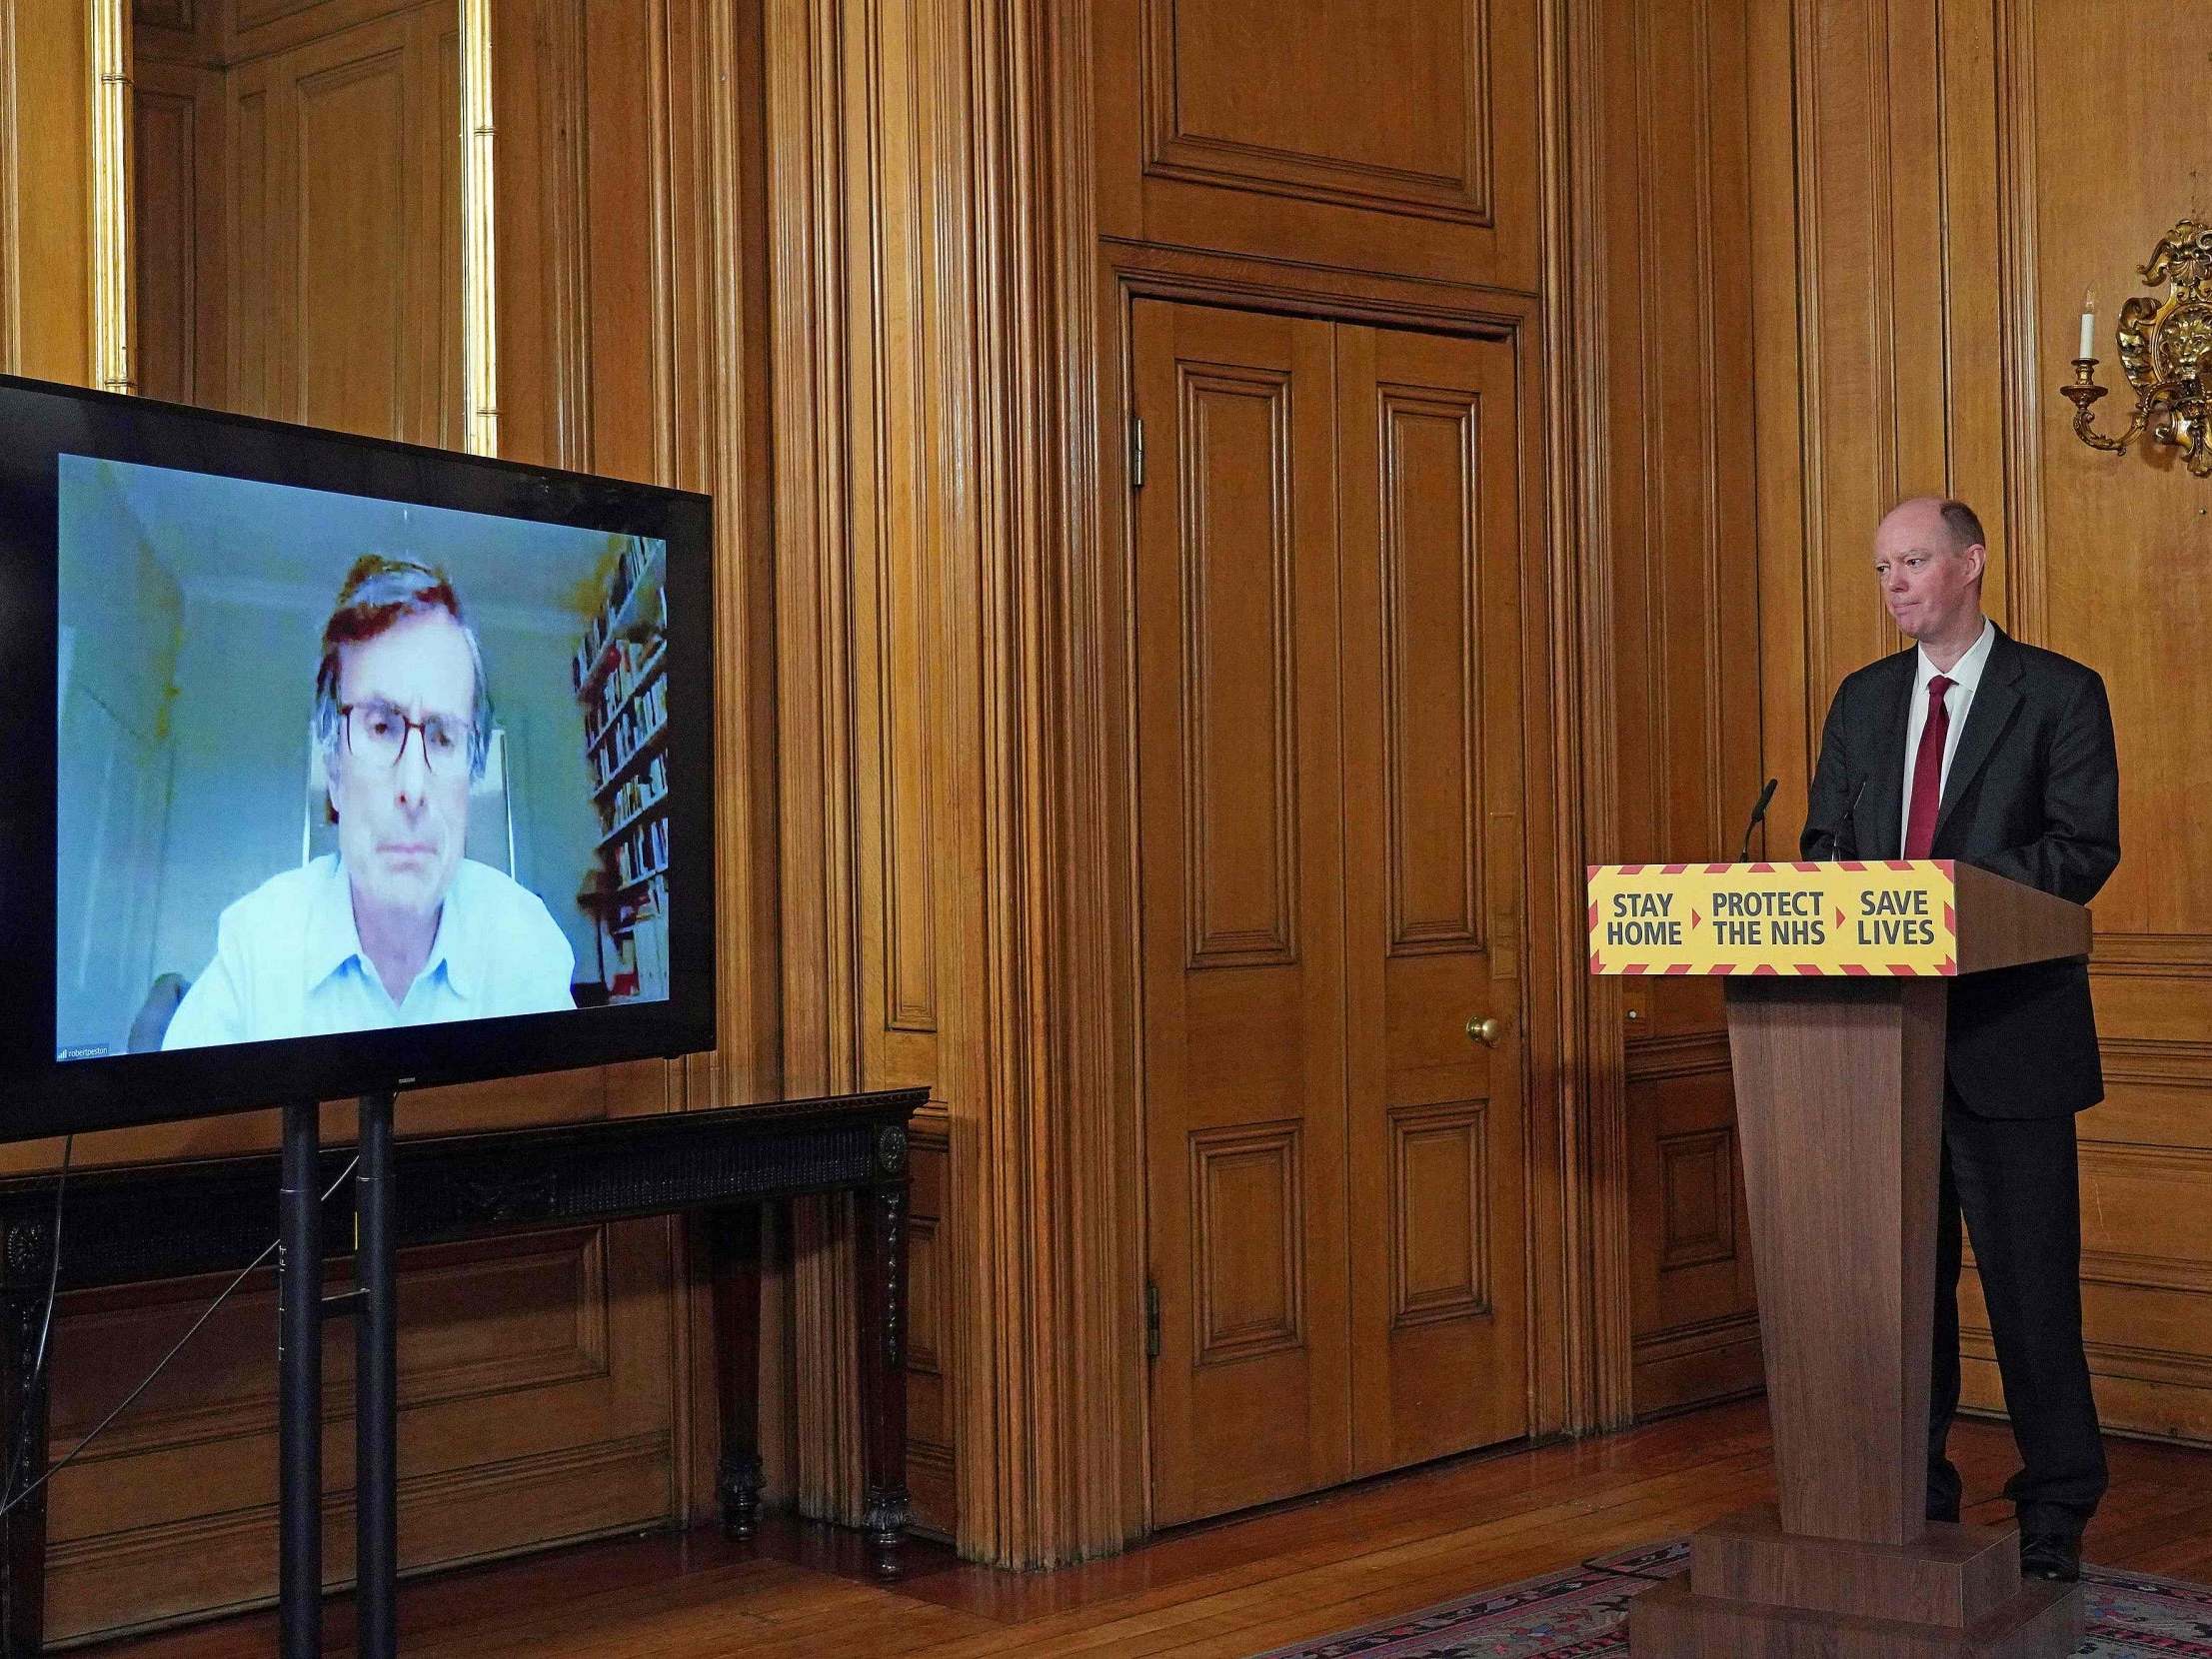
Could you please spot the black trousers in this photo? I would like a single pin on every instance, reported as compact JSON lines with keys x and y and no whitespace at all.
{"x":2015,"y":1181}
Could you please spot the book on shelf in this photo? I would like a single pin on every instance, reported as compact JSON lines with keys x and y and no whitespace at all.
{"x":621,"y":686}
{"x":643,"y":852}
{"x":635,"y":563}
{"x":646,"y":789}
{"x":633,"y":659}
{"x":635,"y":726}
{"x":642,"y":950}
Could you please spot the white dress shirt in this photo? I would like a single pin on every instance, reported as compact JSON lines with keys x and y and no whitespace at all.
{"x":1965,"y":676}
{"x":288,"y":961}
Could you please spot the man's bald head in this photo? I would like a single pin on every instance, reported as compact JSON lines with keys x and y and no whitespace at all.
{"x":1929,"y":555}
{"x":1960,"y":522}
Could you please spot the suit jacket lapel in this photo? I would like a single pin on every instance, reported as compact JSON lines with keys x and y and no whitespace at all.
{"x":1995,"y":698}
{"x":1879,"y":824}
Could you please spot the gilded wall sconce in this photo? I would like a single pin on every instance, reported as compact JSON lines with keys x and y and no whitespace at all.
{"x":2165,"y":352}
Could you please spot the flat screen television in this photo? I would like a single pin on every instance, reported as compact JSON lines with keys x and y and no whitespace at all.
{"x":338,"y":766}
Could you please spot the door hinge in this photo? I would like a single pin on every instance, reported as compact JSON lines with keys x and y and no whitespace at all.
{"x":1136,"y":452}
{"x":1151,"y":1318}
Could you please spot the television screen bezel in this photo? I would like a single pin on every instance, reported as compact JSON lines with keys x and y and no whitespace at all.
{"x":40,"y":421}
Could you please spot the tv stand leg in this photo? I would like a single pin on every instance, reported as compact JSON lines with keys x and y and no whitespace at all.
{"x":300,"y":1386}
{"x":23,"y":1400}
{"x":376,"y":1393}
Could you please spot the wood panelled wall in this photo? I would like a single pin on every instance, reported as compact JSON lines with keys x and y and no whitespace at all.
{"x":907,"y":234}
{"x":561,"y":1386}
{"x":939,"y":848}
{"x":297,"y":199}
{"x":1935,"y":184}
{"x":907,"y":237}
{"x":1679,"y":603}
{"x":45,"y":184}
{"x":962,"y":205}
{"x":1653,"y":292}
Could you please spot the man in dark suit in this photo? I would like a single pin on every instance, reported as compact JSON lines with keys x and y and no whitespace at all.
{"x":1973,"y":747}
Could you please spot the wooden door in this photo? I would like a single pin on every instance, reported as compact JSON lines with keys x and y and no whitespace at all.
{"x":1239,"y":784}
{"x":347,"y":251}
{"x":1430,"y":533}
{"x":1328,"y":787}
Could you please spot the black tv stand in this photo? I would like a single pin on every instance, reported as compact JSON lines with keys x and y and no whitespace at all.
{"x":301,"y":1309}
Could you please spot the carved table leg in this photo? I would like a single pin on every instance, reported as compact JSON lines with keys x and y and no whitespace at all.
{"x":883,"y":1275}
{"x":737,"y":1269}
{"x":23,"y":1401}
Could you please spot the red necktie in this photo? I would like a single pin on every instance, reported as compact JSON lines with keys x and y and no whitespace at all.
{"x":1928,"y":773}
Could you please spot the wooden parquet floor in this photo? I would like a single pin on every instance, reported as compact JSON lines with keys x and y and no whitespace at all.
{"x":1226,"y":1589}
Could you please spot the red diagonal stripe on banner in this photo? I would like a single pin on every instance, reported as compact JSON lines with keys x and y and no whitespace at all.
{"x":1597,"y":966}
{"x":1694,"y":918}
{"x":1949,"y":966}
{"x":1808,"y":968}
{"x":1950,"y":919}
{"x":1593,"y":912}
{"x":1904,"y":972}
{"x":1762,"y":867}
{"x":1857,"y":970}
{"x":1677,"y":968}
{"x":1632,"y":870}
{"x":1900,"y":863}
{"x":1637,"y":967}
{"x":1804,"y":865}
{"x":1854,"y":863}
{"x":1673,"y":870}
{"x":1839,"y":918}
{"x":1721,"y":968}
{"x":1719,"y":870}
{"x":1766,"y":967}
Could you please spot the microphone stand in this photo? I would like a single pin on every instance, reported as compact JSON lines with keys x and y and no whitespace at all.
{"x":1759,"y":815}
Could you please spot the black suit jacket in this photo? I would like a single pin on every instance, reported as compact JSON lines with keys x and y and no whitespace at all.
{"x":2033,"y":795}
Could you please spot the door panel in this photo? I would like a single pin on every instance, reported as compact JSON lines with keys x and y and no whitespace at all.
{"x":347,"y":200}
{"x":1431,"y":514}
{"x":1241,"y":837}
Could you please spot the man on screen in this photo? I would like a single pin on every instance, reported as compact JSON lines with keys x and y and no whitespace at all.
{"x":395,"y":927}
{"x":1971,"y":746}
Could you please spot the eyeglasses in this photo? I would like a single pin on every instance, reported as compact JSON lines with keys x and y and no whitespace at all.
{"x":376,"y":732}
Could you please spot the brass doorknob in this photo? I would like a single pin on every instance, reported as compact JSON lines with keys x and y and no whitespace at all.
{"x":1485,"y":1029}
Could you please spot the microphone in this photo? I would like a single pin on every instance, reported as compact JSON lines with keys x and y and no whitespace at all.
{"x":1757,"y":813}
{"x":1851,"y":817}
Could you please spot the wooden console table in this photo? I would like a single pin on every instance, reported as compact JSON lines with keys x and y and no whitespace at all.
{"x":126,"y":1225}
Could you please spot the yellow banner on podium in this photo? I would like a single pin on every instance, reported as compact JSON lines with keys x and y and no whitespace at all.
{"x":1873,"y":918}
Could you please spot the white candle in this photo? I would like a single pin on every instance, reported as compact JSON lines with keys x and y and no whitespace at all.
{"x":2088,"y":325}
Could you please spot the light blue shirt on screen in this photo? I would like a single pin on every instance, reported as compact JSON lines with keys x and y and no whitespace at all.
{"x":288,"y":961}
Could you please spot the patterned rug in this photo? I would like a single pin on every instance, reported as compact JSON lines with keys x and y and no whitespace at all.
{"x":1579,"y":1613}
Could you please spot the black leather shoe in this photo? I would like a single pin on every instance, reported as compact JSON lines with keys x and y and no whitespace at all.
{"x":2055,"y":1556}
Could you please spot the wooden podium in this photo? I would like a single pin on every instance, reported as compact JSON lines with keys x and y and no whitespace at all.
{"x":1838,"y":984}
